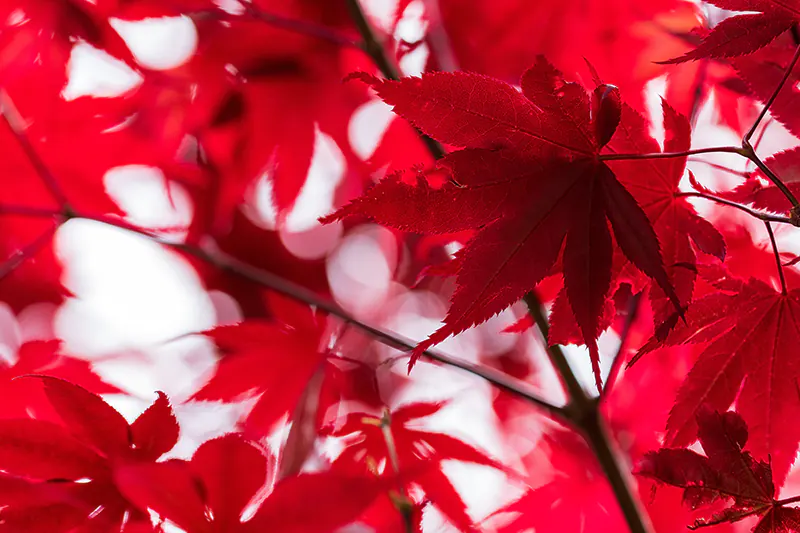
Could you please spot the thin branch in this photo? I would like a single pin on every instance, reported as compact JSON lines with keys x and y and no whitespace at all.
{"x":268,"y":279}
{"x":15,"y":123}
{"x":773,"y":96}
{"x":793,"y":499}
{"x":619,"y":357}
{"x":617,"y":472}
{"x":405,"y":506}
{"x":777,"y":256}
{"x":294,"y":25}
{"x":296,"y":292}
{"x":752,"y":212}
{"x":697,"y":94}
{"x":750,"y":153}
{"x":586,"y":417}
{"x":391,"y":448}
{"x":762,"y":133}
{"x":373,"y":46}
{"x":739,"y":173}
{"x":26,"y":211}
{"x":668,"y":155}
{"x":572,"y":387}
{"x":23,"y":254}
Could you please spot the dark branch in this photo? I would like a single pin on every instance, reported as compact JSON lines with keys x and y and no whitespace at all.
{"x":777,"y":256}
{"x":373,"y":46}
{"x":586,"y":417}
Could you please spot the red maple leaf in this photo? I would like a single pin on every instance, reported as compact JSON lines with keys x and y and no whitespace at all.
{"x":674,"y":219}
{"x":528,"y":180}
{"x":563,"y":464}
{"x":416,"y":453}
{"x":38,"y":36}
{"x":270,"y":255}
{"x":254,"y":96}
{"x":725,"y":473}
{"x":590,"y":501}
{"x":690,"y":84}
{"x":749,"y":332}
{"x":41,"y":175}
{"x":276,"y":360}
{"x":209,"y":493}
{"x":744,"y":34}
{"x":76,"y":454}
{"x":746,"y":258}
{"x":43,"y":358}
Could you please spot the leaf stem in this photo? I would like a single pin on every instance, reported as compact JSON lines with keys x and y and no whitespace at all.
{"x":749,"y":152}
{"x":668,"y":155}
{"x":721,"y":167}
{"x":619,"y":357}
{"x":294,"y":25}
{"x":752,"y":212}
{"x":374,"y":48}
{"x":777,"y":256}
{"x":572,"y":387}
{"x":23,"y":254}
{"x":586,"y":417}
{"x":290,"y":289}
{"x":371,"y":44}
{"x":404,"y":506}
{"x":26,"y":211}
{"x":773,"y":96}
{"x":299,"y":441}
{"x":787,"y":501}
{"x":391,"y":448}
{"x":14,"y":122}
{"x":265,"y":279}
{"x":697,"y":94}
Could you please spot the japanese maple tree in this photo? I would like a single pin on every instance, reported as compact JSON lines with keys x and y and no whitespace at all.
{"x":407,"y":266}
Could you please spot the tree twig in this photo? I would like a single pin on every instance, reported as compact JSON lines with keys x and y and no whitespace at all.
{"x":750,"y":153}
{"x":619,"y":357}
{"x":23,"y":254}
{"x":297,"y":26}
{"x":793,"y":499}
{"x":572,"y":387}
{"x":752,"y":212}
{"x":669,"y":155}
{"x":586,"y":417}
{"x":26,"y":211}
{"x":741,"y":174}
{"x":296,"y":292}
{"x":373,"y":46}
{"x":777,"y":256}
{"x":404,"y":506}
{"x":14,"y":121}
{"x":773,"y":96}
